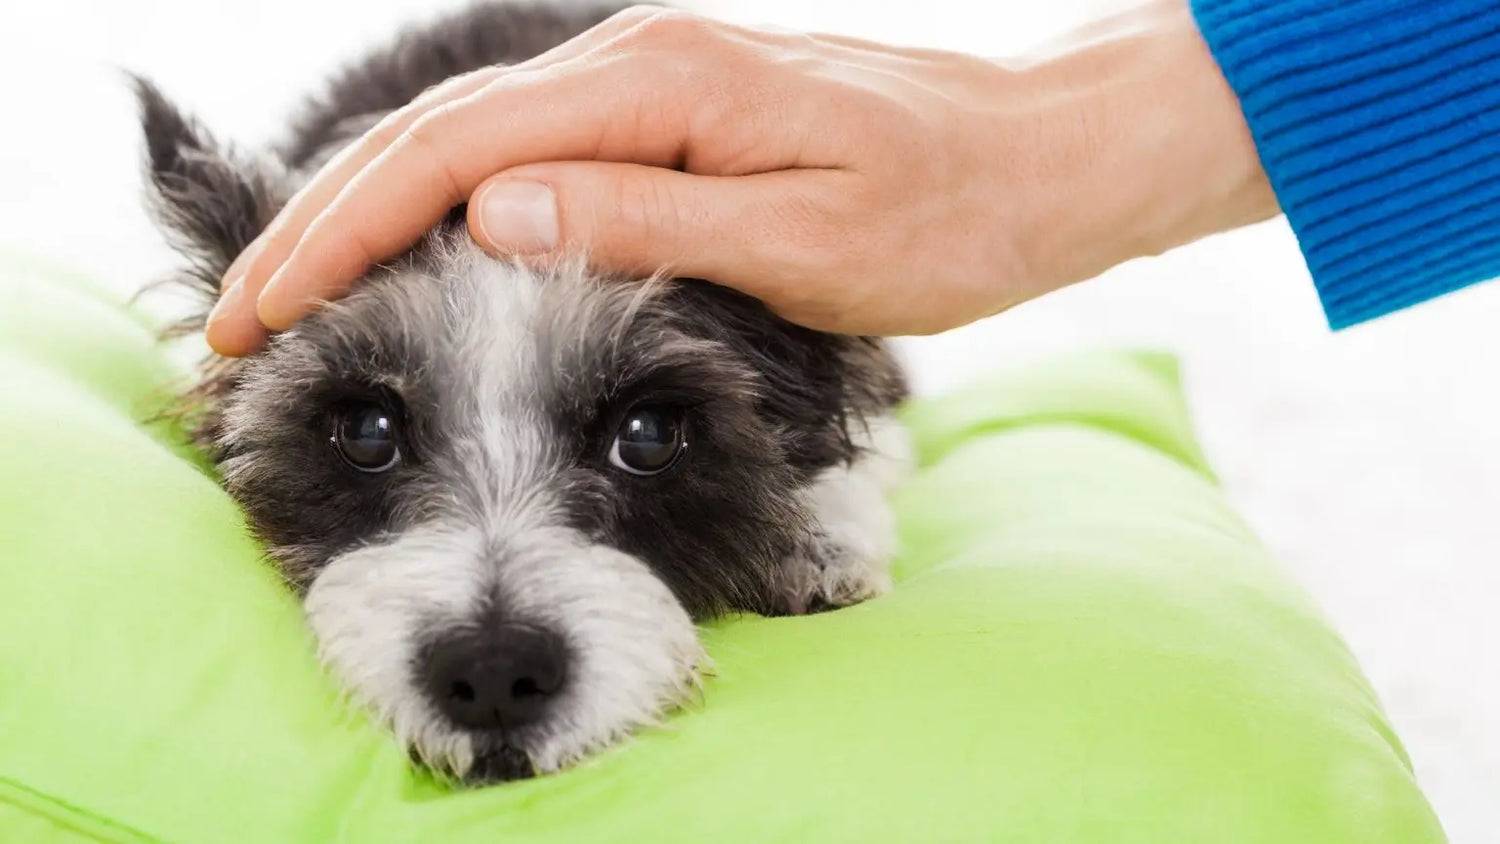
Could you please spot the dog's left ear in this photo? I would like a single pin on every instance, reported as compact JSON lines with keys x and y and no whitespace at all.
{"x":209,"y":201}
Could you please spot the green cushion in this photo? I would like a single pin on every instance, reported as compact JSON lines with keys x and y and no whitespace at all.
{"x":1085,"y":645}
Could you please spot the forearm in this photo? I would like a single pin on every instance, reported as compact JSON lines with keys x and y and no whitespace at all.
{"x":1378,"y":122}
{"x":1153,"y":150}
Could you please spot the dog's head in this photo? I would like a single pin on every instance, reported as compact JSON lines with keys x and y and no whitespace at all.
{"x":506,"y":494}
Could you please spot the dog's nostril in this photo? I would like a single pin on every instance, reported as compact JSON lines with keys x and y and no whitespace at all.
{"x":495,"y":678}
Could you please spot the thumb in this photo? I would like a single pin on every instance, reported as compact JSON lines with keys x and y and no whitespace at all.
{"x":635,"y":219}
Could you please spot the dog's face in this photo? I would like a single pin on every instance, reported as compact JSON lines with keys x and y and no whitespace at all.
{"x":506,"y":494}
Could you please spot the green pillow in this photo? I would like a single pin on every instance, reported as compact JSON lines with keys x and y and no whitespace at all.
{"x":1085,"y":645}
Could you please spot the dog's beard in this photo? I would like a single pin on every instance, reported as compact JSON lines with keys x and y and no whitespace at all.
{"x":633,"y":650}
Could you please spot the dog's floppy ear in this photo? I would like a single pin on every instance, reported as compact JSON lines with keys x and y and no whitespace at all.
{"x":209,"y":201}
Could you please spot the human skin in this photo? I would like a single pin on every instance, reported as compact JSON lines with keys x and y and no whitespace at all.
{"x":852,"y":186}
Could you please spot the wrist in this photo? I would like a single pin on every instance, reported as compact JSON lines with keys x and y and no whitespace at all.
{"x":1153,"y":151}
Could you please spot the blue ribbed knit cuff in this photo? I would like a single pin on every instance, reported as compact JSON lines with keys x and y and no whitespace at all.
{"x":1378,"y":122}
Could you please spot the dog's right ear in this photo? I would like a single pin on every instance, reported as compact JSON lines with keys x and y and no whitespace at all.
{"x":208,"y":201}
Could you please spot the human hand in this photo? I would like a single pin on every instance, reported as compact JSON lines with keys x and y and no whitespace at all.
{"x":852,"y":186}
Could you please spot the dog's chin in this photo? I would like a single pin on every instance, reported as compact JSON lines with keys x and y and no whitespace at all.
{"x":498,"y":761}
{"x":488,"y":759}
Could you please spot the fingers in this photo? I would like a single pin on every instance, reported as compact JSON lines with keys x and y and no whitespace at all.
{"x":761,"y":234}
{"x":234,"y":328}
{"x":562,"y":112}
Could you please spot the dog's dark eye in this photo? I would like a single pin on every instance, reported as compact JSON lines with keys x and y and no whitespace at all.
{"x":365,"y":437}
{"x":649,"y":441}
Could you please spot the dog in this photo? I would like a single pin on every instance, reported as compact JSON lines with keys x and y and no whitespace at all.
{"x":506,"y":494}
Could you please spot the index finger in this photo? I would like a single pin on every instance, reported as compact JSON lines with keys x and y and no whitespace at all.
{"x":572,"y":110}
{"x":233,"y":329}
{"x":236,"y":329}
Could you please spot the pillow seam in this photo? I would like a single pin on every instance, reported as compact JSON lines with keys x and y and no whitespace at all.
{"x":76,"y":818}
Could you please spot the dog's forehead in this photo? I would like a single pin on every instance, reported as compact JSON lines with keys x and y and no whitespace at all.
{"x":456,"y":322}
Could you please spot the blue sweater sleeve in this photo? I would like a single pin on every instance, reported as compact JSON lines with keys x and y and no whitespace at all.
{"x":1378,"y":123}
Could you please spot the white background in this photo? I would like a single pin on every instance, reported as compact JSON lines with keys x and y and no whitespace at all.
{"x":1367,"y":460}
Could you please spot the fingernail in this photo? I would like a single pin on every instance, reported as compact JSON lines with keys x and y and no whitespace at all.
{"x":228,"y":300}
{"x":519,"y":217}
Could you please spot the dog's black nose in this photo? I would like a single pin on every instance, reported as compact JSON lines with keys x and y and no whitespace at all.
{"x":500,"y":677}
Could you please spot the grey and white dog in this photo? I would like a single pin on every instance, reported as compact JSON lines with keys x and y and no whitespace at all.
{"x":506,"y":495}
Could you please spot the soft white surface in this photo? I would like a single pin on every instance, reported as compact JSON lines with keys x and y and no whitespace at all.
{"x":1368,"y":460}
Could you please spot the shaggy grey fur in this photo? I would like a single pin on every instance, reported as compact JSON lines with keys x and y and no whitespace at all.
{"x":502,"y":396}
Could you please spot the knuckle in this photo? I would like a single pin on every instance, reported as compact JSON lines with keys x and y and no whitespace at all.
{"x":673,"y":49}
{"x":650,"y":210}
{"x":632,"y":15}
{"x":422,"y":143}
{"x":675,"y":28}
{"x":390,"y":128}
{"x":441,"y":92}
{"x":427,"y":129}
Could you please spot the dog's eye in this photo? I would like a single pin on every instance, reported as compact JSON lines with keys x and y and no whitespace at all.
{"x":365,"y":437}
{"x":649,"y":441}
